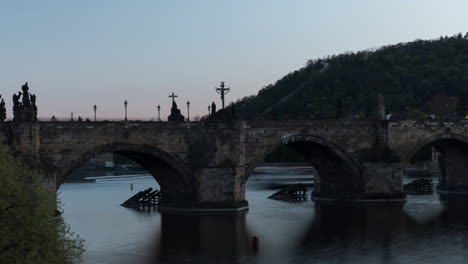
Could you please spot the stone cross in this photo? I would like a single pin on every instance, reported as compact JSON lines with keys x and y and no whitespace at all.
{"x":173,"y":96}
{"x":222,"y":90}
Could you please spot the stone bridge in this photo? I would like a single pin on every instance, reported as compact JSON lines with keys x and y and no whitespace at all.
{"x":204,"y":166}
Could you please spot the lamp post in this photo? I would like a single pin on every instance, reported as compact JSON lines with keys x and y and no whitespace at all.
{"x":71,"y":117}
{"x":188,"y":111}
{"x":95,"y":108}
{"x":125,"y":104}
{"x":159,"y":113}
{"x":209,"y":110}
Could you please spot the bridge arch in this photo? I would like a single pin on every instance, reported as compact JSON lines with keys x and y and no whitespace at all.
{"x":338,"y":171}
{"x":445,"y":136}
{"x":168,"y":170}
{"x":452,"y":162}
{"x":335,"y":149}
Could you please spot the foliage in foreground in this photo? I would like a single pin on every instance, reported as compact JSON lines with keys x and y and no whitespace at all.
{"x":30,"y":230}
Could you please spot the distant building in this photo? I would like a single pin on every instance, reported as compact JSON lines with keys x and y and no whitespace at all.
{"x":104,"y":160}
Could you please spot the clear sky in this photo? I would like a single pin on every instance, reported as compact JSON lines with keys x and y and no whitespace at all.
{"x":75,"y":54}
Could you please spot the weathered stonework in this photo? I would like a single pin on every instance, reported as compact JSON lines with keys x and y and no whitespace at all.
{"x":204,"y":166}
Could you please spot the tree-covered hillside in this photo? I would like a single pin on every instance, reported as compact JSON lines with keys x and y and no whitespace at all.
{"x":409,"y":76}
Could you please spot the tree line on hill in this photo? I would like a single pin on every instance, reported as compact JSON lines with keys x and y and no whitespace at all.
{"x":417,"y":80}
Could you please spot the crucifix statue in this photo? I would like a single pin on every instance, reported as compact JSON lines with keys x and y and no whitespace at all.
{"x":175,"y":113}
{"x":222,"y":90}
{"x":173,"y":96}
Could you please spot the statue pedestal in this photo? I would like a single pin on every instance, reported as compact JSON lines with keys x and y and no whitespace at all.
{"x":27,"y":114}
{"x":175,"y":115}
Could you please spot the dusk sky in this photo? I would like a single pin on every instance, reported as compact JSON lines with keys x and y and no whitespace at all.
{"x":75,"y":54}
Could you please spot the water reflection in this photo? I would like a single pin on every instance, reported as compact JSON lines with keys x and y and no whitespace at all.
{"x":336,"y":233}
{"x":387,"y":234}
{"x":424,"y":230}
{"x":207,"y":238}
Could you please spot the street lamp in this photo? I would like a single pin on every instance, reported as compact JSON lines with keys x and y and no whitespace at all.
{"x":125,"y":104}
{"x":95,"y":108}
{"x":209,"y":110}
{"x":188,"y":111}
{"x":159,"y":113}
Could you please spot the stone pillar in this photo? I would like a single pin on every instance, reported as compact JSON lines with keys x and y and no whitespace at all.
{"x":5,"y":132}
{"x":217,"y":156}
{"x":383,"y":182}
{"x":379,"y":182}
{"x":454,"y":170}
{"x":26,"y":140}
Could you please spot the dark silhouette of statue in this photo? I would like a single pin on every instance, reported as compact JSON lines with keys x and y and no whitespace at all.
{"x":2,"y":110}
{"x":227,"y":114}
{"x":33,"y":99}
{"x":175,"y":116}
{"x":233,"y":112}
{"x":16,"y":99}
{"x":26,"y":99}
{"x":213,"y":108}
{"x":16,"y":106}
{"x":26,"y":109}
{"x":33,"y":104}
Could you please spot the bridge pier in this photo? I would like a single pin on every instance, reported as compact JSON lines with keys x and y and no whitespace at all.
{"x":217,"y":190}
{"x":383,"y":182}
{"x":454,"y":169}
{"x":380,"y":182}
{"x":203,"y":165}
{"x":217,"y":161}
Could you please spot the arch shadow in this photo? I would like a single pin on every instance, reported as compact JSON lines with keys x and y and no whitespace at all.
{"x":168,"y":170}
{"x":452,"y":162}
{"x":338,"y":172}
{"x":429,"y":140}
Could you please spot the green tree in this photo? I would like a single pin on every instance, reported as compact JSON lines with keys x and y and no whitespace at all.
{"x":416,"y":114}
{"x":31,"y":228}
{"x":339,"y":110}
{"x":408,"y":75}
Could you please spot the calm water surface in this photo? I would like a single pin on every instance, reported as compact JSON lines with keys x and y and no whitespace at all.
{"x":425,"y":230}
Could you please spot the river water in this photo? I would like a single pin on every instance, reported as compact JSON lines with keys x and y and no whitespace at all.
{"x":424,"y":230}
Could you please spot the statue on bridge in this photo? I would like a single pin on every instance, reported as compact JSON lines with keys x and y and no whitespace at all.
{"x":33,"y":104}
{"x":26,"y":110}
{"x":222,"y":90}
{"x":213,"y":108}
{"x":227,"y":114}
{"x":175,"y":116}
{"x":2,"y":110}
{"x":26,"y":100}
{"x":16,"y":106}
